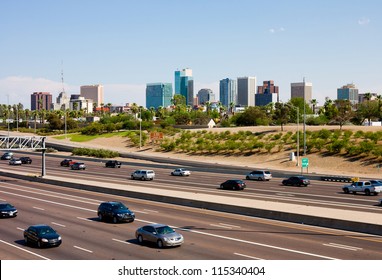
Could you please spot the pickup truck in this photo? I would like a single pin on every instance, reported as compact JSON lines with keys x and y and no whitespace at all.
{"x":362,"y":186}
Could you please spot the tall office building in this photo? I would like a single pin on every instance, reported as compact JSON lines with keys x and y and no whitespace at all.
{"x":205,"y":95}
{"x":158,"y":94}
{"x":93,"y":92}
{"x":303,"y":90}
{"x":267,"y":93}
{"x":246,"y":90}
{"x":182,"y":78}
{"x":228,"y":92}
{"x":41,"y":100}
{"x":348,"y":92}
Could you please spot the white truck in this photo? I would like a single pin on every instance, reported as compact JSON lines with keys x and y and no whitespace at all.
{"x":362,"y":186}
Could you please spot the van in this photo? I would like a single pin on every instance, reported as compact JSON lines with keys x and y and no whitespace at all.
{"x":259,"y":175}
{"x":143,"y":175}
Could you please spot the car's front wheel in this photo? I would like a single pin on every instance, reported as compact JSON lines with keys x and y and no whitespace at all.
{"x":100,"y":217}
{"x":115,"y":220}
{"x":367,"y":192}
{"x":346,"y":190}
{"x":140,"y":239}
{"x":160,"y":243}
{"x":26,"y":240}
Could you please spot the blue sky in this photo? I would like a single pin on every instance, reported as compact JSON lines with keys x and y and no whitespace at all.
{"x":124,"y":45}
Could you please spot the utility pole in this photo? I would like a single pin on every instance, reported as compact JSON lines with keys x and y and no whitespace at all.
{"x":298,"y":139}
{"x":140,"y":128}
{"x":304,"y":120}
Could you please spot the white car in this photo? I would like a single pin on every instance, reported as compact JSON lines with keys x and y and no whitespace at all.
{"x":15,"y":161}
{"x":181,"y":172}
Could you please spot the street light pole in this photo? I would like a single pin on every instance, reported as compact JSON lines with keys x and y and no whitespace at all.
{"x":298,"y":139}
{"x":140,"y":128}
{"x":304,"y":120}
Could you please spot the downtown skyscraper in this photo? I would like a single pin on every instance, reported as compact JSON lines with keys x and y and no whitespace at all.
{"x":184,"y":85}
{"x":227,"y":92}
{"x":246,"y":90}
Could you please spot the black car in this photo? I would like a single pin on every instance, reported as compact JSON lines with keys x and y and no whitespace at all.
{"x":26,"y":160}
{"x":42,"y":236}
{"x":296,"y":181}
{"x":7,"y":156}
{"x":233,"y":185}
{"x":67,"y":162}
{"x":7,"y":210}
{"x":115,"y":211}
{"x":113,"y":163}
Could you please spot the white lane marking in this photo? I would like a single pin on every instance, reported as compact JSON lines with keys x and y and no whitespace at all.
{"x":228,"y":225}
{"x":85,"y":219}
{"x":83,"y":249}
{"x":340,"y":246}
{"x":52,"y":202}
{"x":25,"y":250}
{"x":57,"y":224}
{"x":121,"y":241}
{"x":38,"y":208}
{"x":151,"y":210}
{"x":284,"y":194}
{"x":246,"y":241}
{"x":20,"y":228}
{"x":246,"y":256}
{"x":141,"y":212}
{"x":215,"y":225}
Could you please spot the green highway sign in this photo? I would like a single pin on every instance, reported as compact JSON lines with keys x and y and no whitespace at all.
{"x":304,"y":162}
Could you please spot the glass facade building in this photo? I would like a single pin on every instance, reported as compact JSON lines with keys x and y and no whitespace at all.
{"x":158,"y":94}
{"x":227,"y":92}
{"x":348,"y":92}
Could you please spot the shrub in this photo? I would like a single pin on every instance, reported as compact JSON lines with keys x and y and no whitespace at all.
{"x":99,"y":153}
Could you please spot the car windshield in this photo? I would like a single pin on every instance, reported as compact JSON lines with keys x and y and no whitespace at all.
{"x":164,"y":230}
{"x":6,"y":206}
{"x":119,"y":206}
{"x":46,"y":230}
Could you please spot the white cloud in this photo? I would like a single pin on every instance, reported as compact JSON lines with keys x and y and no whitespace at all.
{"x":363,"y":21}
{"x":18,"y":89}
{"x":276,"y":30}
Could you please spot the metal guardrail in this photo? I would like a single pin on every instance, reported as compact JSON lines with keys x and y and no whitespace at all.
{"x":339,"y":179}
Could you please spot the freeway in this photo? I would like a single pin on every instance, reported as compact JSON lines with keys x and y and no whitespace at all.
{"x":208,"y":234}
{"x":207,"y":180}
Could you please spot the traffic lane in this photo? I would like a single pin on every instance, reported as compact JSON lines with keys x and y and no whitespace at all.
{"x":271,"y":187}
{"x":222,"y":227}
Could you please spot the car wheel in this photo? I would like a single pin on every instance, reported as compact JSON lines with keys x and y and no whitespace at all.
{"x":142,"y":178}
{"x":259,"y":179}
{"x":39,"y":244}
{"x":132,"y":177}
{"x":160,"y":243}
{"x":346,"y":190}
{"x":247,"y":177}
{"x":140,"y":239}
{"x":115,"y":220}
{"x":367,"y":192}
{"x":26,"y":240}
{"x":100,"y":217}
{"x":221,"y":186}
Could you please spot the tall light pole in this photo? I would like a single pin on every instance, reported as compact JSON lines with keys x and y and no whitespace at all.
{"x":140,"y":128}
{"x":298,"y":139}
{"x":304,"y":120}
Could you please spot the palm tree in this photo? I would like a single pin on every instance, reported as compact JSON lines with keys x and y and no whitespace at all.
{"x":231,"y":106}
{"x":314,"y":103}
{"x":367,"y":96}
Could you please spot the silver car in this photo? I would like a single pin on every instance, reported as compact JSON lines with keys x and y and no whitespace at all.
{"x":259,"y":175}
{"x":143,"y":175}
{"x":15,"y":161}
{"x":161,"y":235}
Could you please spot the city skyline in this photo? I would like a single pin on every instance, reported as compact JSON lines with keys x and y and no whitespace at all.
{"x":329,"y":43}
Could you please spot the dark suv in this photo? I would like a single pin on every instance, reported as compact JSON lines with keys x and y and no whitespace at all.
{"x":113,"y":163}
{"x":115,"y":211}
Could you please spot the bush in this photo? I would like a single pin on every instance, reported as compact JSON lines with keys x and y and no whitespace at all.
{"x":98,"y":153}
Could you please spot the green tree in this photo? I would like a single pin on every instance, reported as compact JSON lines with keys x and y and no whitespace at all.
{"x":281,"y":114}
{"x":343,"y":112}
